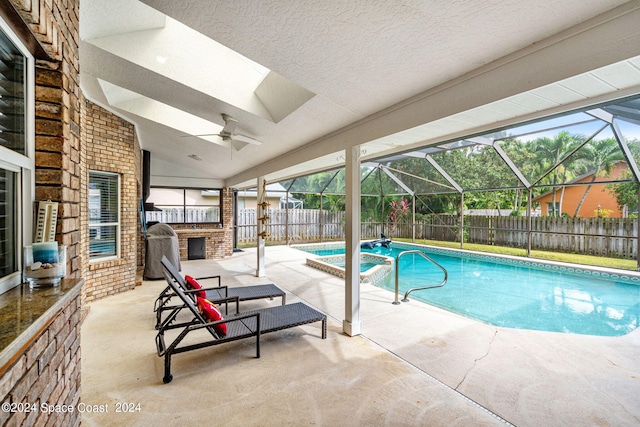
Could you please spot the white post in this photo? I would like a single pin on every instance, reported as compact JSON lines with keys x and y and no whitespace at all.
{"x":262,"y":197}
{"x":351,"y":324}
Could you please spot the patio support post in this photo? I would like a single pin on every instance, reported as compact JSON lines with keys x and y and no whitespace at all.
{"x":461,"y":221}
{"x":321,"y":216}
{"x":529,"y":205}
{"x":351,"y":324}
{"x":286,"y":221}
{"x":260,"y":268}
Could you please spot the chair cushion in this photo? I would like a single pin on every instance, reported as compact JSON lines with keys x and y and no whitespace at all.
{"x":211,"y":313}
{"x":193,"y":284}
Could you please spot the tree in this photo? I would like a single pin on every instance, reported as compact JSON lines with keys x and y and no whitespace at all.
{"x":549,"y":152}
{"x":626,"y":194}
{"x":603,"y":155}
{"x":398,"y":210}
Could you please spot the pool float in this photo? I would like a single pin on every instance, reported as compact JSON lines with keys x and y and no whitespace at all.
{"x":382,"y":241}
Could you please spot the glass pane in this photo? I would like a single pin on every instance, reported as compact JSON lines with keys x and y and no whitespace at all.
{"x":12,"y":96}
{"x":8,"y":206}
{"x":179,"y":205}
{"x":104,"y":214}
{"x":103,"y":198}
{"x":166,"y":197}
{"x":102,"y":240}
{"x":202,"y":205}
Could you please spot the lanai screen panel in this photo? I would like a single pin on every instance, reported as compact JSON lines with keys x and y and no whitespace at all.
{"x":537,"y":150}
{"x":419,"y":175}
{"x":315,"y":183}
{"x":378,"y":183}
{"x":547,"y":153}
{"x":477,"y":167}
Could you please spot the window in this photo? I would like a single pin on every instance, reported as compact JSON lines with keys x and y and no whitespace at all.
{"x":16,"y":154}
{"x":12,"y":96}
{"x":183,"y":205}
{"x":8,"y":223}
{"x":553,"y":211}
{"x":104,"y":215}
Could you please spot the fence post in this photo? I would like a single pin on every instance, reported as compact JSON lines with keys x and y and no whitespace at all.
{"x":286,"y":220}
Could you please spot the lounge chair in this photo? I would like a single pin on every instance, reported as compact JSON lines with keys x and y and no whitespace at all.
{"x":238,"y":326}
{"x":218,"y":294}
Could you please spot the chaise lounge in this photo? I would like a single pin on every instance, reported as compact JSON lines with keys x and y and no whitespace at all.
{"x":222,"y":330}
{"x":218,"y":294}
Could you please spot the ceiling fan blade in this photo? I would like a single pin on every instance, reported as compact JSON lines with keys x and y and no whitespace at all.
{"x":238,"y":145}
{"x":246,"y":139}
{"x":201,"y":134}
{"x":230,"y":125}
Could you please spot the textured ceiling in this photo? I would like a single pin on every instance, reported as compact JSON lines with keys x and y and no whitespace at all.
{"x":427,"y":69}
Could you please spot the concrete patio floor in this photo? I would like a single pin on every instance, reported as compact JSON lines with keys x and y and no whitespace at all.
{"x":414,"y":364}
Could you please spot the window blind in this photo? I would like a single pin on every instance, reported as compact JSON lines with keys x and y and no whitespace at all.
{"x":104,"y":214}
{"x":12,"y":96}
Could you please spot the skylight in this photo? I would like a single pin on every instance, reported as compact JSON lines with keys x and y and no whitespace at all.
{"x":186,"y":56}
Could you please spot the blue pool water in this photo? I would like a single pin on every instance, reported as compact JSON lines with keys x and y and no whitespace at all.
{"x":519,"y":294}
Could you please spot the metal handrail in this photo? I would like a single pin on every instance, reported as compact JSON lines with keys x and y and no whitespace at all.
{"x":425,"y":256}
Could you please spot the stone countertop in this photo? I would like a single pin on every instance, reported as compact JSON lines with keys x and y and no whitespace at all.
{"x":24,"y":312}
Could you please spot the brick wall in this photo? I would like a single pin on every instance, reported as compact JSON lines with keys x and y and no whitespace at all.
{"x":54,"y":24}
{"x":48,"y":372}
{"x":110,"y":145}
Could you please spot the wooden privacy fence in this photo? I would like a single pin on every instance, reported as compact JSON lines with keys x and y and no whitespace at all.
{"x":610,"y":237}
{"x":180,"y":215}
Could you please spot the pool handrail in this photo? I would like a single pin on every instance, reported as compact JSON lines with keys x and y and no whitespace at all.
{"x":428,"y":258}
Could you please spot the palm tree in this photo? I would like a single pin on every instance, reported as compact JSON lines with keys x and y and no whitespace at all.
{"x":602,"y":155}
{"x":550,"y":152}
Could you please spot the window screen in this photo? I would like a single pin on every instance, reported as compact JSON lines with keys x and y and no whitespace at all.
{"x":104,"y":214}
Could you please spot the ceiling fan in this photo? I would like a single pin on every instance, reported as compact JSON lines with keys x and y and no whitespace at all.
{"x":229,"y":136}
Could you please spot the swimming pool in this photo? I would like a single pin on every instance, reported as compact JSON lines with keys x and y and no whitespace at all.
{"x":516,"y":293}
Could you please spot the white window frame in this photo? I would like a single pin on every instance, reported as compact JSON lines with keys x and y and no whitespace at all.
{"x":23,"y":165}
{"x":117,"y":224}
